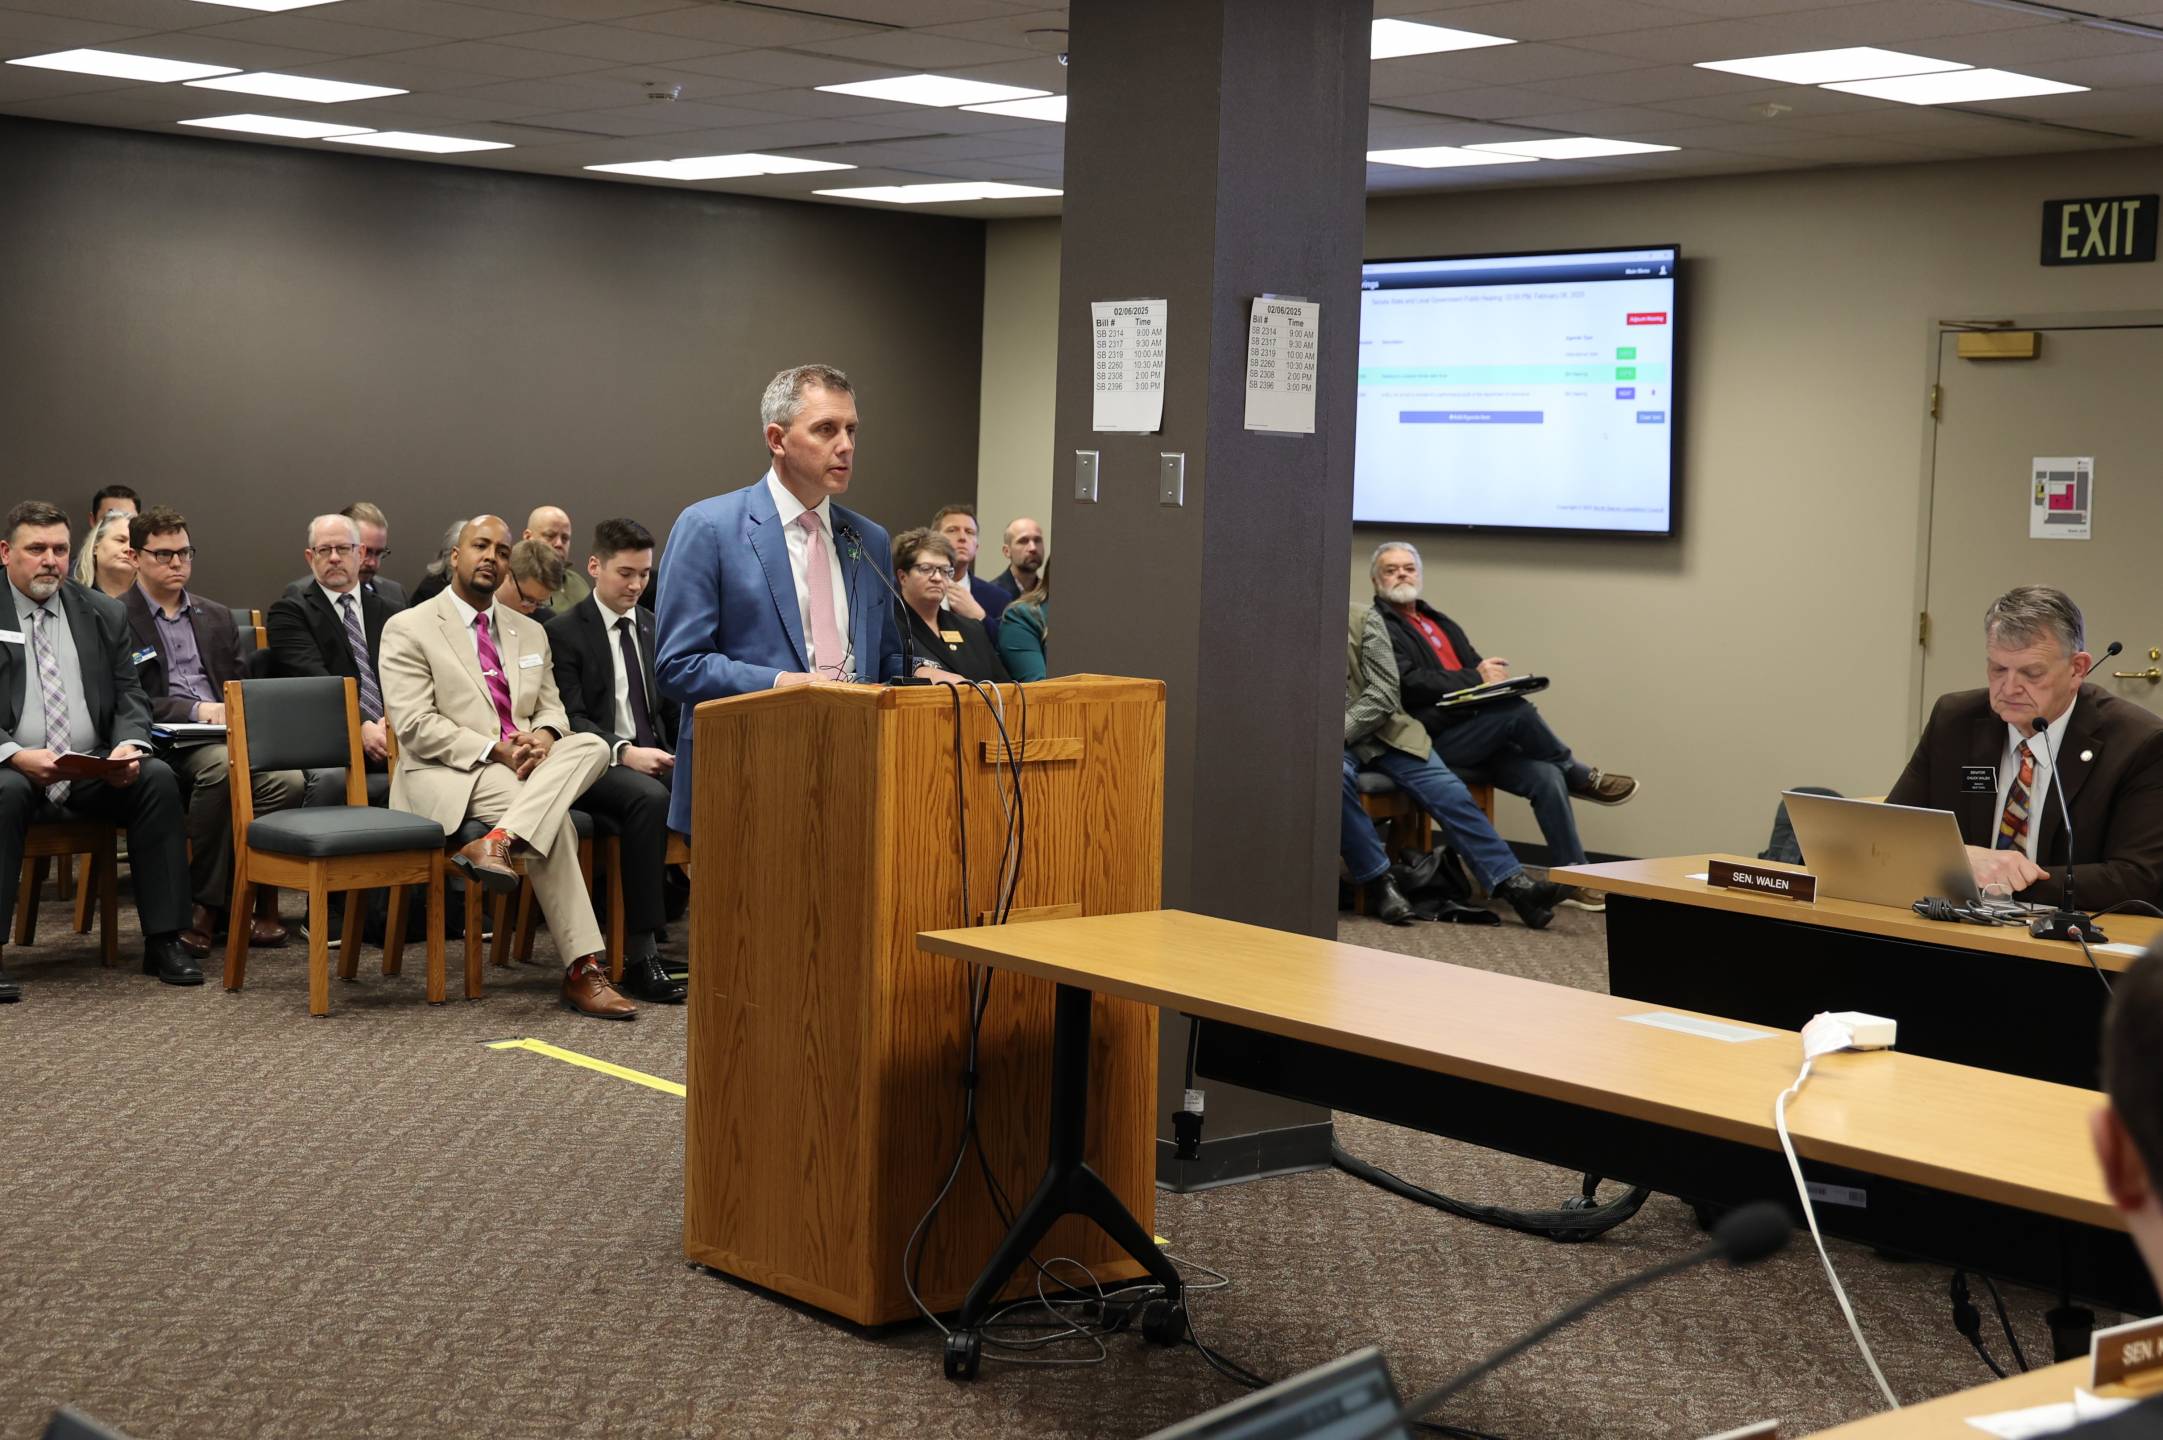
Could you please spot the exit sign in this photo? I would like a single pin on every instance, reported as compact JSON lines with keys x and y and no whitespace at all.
{"x":2115,"y":231}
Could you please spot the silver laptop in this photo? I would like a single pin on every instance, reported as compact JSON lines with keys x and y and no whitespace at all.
{"x":1882,"y":854}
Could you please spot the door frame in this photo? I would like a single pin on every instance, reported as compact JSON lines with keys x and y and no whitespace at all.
{"x":1919,"y":703}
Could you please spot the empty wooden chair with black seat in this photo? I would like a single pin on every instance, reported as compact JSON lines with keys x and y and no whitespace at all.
{"x":313,"y":723}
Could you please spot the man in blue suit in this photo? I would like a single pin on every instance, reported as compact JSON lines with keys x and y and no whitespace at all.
{"x":775,"y":584}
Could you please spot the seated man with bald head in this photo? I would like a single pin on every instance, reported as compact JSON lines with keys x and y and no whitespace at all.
{"x":470,"y":690}
{"x":1987,"y":756}
{"x":1023,"y":546}
{"x":552,"y":527}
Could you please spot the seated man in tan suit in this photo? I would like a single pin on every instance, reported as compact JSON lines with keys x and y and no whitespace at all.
{"x":470,"y":690}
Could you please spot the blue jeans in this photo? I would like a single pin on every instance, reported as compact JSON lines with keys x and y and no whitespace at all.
{"x":1441,"y":794}
{"x":1508,"y":742}
{"x":1364,"y":857}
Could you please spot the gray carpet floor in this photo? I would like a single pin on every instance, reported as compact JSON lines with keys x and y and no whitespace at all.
{"x":219,"y":1218}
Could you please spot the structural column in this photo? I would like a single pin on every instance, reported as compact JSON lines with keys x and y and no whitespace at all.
{"x":1215,"y":151}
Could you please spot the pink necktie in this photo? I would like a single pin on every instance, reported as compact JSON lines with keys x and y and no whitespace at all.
{"x":499,"y":689}
{"x":826,"y":651}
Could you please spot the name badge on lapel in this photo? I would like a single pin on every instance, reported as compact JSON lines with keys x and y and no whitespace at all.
{"x":1979,"y":779}
{"x":144,"y":656}
{"x":11,"y":637}
{"x":951,"y":637}
{"x":528,"y":662}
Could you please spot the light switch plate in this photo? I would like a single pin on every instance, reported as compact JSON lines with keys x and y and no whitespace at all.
{"x":1085,"y":476}
{"x":1171,"y":477}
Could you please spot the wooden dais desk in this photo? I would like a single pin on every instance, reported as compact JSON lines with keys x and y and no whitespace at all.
{"x":1966,"y":1167}
{"x":1993,"y":997}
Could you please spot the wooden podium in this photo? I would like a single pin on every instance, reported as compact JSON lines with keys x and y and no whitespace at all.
{"x":826,"y":1052}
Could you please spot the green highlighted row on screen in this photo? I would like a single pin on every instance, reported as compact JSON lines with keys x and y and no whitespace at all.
{"x":1510,"y":374}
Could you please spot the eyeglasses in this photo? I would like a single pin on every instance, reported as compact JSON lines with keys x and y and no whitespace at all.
{"x":526,"y":602}
{"x":370,"y":552}
{"x":334,"y":552}
{"x":944,"y":572}
{"x":169,"y":557}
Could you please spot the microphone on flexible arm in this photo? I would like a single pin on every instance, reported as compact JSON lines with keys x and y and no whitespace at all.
{"x":2067,"y":923}
{"x":851,"y":536}
{"x":1741,"y":1237}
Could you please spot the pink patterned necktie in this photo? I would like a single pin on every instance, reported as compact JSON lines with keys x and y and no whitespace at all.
{"x":499,"y":689}
{"x":827,"y":654}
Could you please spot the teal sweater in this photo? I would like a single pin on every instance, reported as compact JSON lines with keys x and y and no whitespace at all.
{"x":1021,"y":640}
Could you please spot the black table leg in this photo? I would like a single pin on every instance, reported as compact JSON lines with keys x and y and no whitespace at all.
{"x":1069,"y":1187}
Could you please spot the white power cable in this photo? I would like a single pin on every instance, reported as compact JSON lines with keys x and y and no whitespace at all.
{"x":1779,"y":1115}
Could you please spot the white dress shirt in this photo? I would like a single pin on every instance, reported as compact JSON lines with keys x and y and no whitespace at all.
{"x":466,"y":616}
{"x":789,"y":507}
{"x":621,"y":722}
{"x":2041,"y":791}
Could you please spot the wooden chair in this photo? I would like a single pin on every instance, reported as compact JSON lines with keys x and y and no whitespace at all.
{"x":1410,"y":827}
{"x":609,"y":852}
{"x":310,"y":724}
{"x":499,"y":913}
{"x":98,"y":844}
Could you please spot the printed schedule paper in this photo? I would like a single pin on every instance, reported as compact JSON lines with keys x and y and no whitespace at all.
{"x":1129,"y":339}
{"x":1283,"y":350}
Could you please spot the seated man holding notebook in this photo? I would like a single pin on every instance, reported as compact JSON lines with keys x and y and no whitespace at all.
{"x":1981,"y":758}
{"x":1504,"y":738}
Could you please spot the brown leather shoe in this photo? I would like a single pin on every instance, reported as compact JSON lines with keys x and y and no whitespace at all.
{"x":266,"y":933}
{"x":196,"y":938}
{"x":1602,"y":788}
{"x":586,"y":990}
{"x":486,"y":862}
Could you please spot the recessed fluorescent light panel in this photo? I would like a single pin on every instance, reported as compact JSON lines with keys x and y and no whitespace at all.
{"x":1581,"y":147}
{"x":407,"y":140}
{"x":1392,"y":39}
{"x":938,"y":90}
{"x":117,"y":66}
{"x":1820,"y":67}
{"x":720,"y":167}
{"x":278,"y":125}
{"x":1047,"y":107}
{"x":272,"y":5}
{"x":1442,"y":157}
{"x":940,"y":194}
{"x":1956,"y":87}
{"x":296,"y":87}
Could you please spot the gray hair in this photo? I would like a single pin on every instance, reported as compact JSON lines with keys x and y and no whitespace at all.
{"x":86,"y":559}
{"x":2023,"y":615}
{"x":784,"y":397}
{"x":319,"y":521}
{"x":448,"y":548}
{"x":1374,"y":564}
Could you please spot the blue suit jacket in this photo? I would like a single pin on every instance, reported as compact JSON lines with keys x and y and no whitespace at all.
{"x":728,"y":621}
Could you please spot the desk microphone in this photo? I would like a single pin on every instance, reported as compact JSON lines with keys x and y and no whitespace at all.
{"x":1741,"y":1237}
{"x":855,"y":541}
{"x":2068,"y":923}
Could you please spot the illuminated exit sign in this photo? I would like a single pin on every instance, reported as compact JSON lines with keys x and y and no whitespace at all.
{"x":2119,"y":230}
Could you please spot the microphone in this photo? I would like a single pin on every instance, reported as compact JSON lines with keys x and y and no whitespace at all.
{"x":2067,"y":923}
{"x":855,"y":541}
{"x":1742,"y":1237}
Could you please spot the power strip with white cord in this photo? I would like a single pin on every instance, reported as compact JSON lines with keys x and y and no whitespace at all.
{"x":1827,"y":1032}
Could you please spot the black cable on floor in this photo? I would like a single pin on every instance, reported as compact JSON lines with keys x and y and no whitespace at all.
{"x":1559,"y":1225}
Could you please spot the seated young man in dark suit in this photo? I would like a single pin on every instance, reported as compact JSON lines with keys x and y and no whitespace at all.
{"x":187,"y":649}
{"x":603,"y":649}
{"x":1981,"y":758}
{"x":968,"y":597}
{"x":67,"y":685}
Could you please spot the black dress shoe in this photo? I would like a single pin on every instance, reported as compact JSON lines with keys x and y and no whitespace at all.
{"x":646,"y":978}
{"x":1385,"y":902}
{"x":9,"y":990}
{"x":164,"y":957}
{"x":1533,"y":900}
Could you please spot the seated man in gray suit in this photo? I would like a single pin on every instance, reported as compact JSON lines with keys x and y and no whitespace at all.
{"x":68,"y":686}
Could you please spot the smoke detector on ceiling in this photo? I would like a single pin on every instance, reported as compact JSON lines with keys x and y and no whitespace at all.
{"x":663,"y":93}
{"x":1771,"y":110}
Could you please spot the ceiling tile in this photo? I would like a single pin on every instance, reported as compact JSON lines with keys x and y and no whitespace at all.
{"x":1718,"y":40}
{"x":826,"y":103}
{"x":1513,"y":65}
{"x":913,"y":50}
{"x":788,"y":137}
{"x":1011,"y":26}
{"x":512,"y":62}
{"x":1652,"y":85}
{"x":615,"y":44}
{"x":652,"y":119}
{"x":1564,"y":19}
{"x":22,"y":34}
{"x":915,"y":13}
{"x":782,"y":68}
{"x":1038,"y":72}
{"x":1617,"y":122}
{"x":303,"y":31}
{"x":1900,"y":21}
{"x":434,"y":17}
{"x":747,"y":26}
{"x":2040,"y":49}
{"x":2144,"y":67}
{"x":695,"y":86}
{"x":581,"y":92}
{"x":1496,"y":102}
{"x":586,"y":10}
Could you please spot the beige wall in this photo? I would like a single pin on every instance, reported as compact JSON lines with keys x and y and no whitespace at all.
{"x":1772,"y":643}
{"x":1014,"y":420}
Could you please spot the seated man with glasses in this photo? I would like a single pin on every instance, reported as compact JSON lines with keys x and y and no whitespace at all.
{"x":531,"y":580}
{"x":924,"y":566}
{"x":335,"y":627}
{"x":187,"y":648}
{"x":371,"y":549}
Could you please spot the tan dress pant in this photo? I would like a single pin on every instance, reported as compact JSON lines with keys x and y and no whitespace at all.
{"x":538,"y":811}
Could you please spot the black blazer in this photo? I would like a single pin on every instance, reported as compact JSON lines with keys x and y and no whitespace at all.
{"x":586,"y":677}
{"x":1421,"y":679}
{"x":217,"y":639}
{"x":308,"y":638}
{"x":118,"y":708}
{"x":389,"y":591}
{"x":2115,"y":793}
{"x":975,"y":658}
